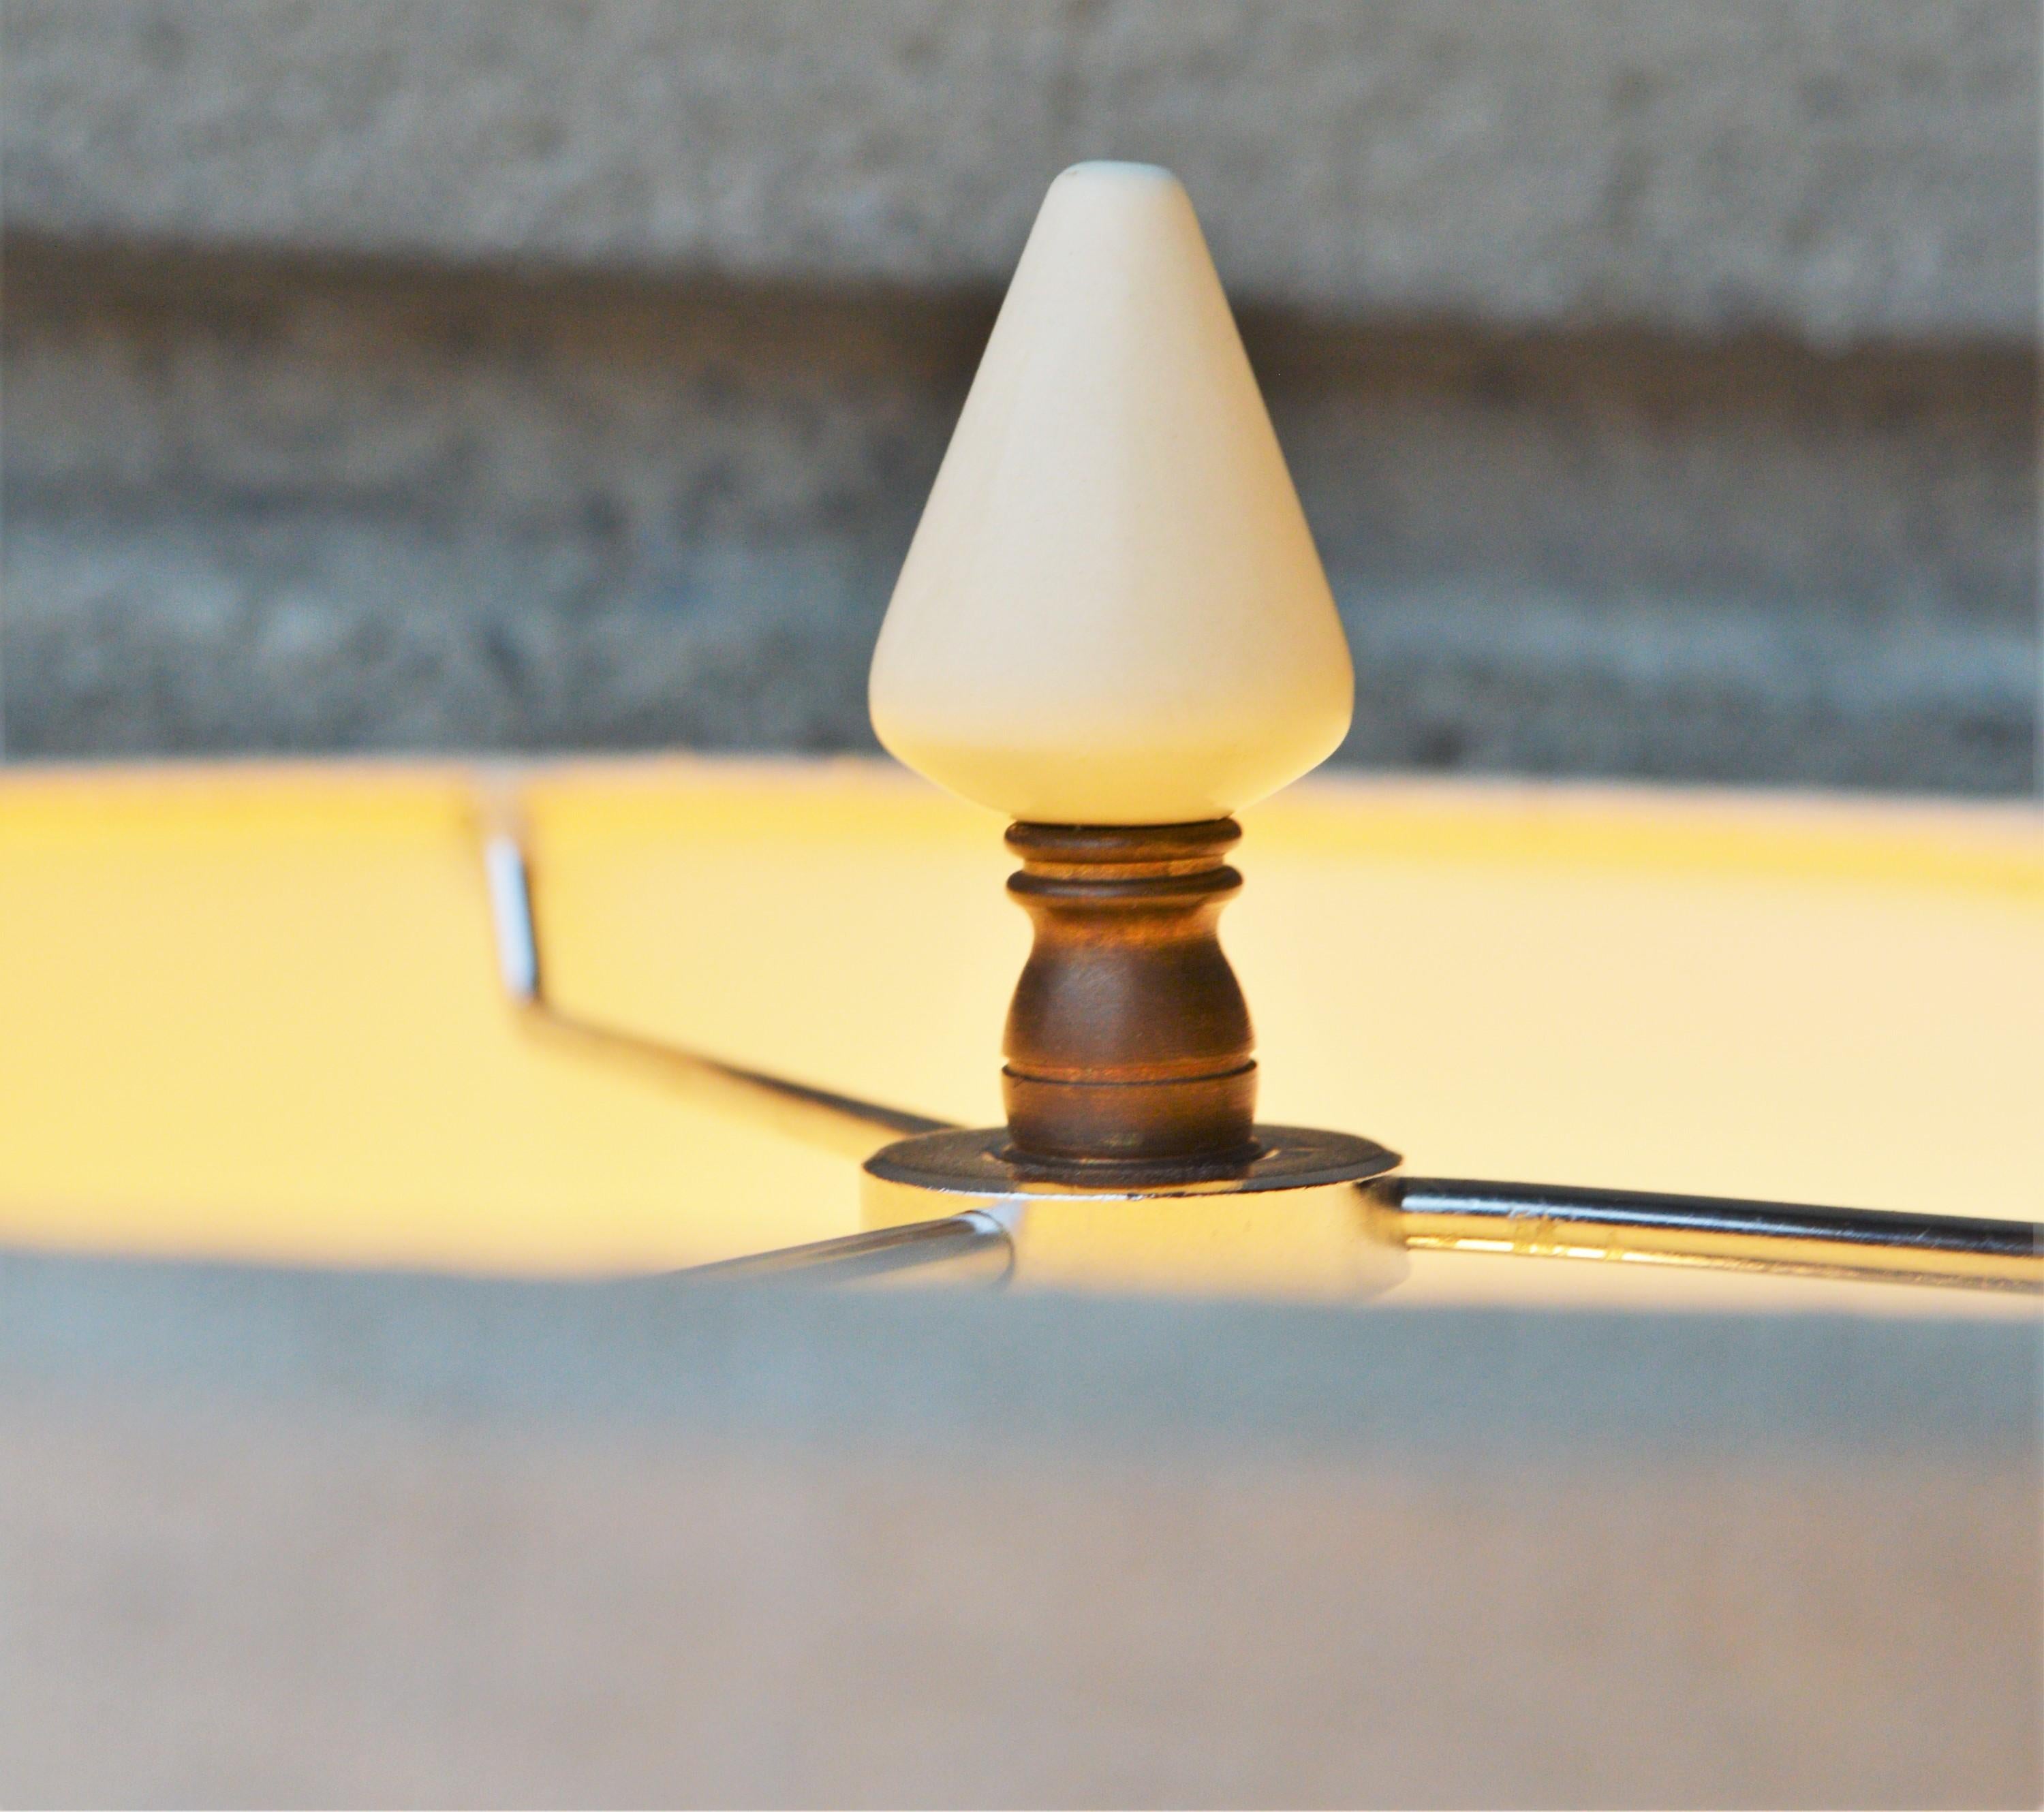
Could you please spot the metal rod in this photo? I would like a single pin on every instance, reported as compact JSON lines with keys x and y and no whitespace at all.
{"x":1537,"y":1220}
{"x":971,"y":1248}
{"x":840,"y":1124}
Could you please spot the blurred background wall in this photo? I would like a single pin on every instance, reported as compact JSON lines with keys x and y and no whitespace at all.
{"x":1659,"y":376}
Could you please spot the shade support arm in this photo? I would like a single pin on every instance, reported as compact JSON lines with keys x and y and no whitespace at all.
{"x":971,"y":1248}
{"x":1436,"y":1214}
{"x":844,"y":1124}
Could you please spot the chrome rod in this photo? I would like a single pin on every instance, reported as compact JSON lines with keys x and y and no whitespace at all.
{"x":971,"y":1248}
{"x":842,"y":1124}
{"x":1539,"y":1220}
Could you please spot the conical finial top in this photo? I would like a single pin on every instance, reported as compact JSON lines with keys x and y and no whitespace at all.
{"x":1112,"y":613}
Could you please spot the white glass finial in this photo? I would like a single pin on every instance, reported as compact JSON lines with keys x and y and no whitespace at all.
{"x":1112,"y":613}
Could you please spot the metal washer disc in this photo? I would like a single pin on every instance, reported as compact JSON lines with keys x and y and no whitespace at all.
{"x":981,"y":1163}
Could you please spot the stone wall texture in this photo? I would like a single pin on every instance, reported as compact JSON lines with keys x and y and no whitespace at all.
{"x":1659,"y":375}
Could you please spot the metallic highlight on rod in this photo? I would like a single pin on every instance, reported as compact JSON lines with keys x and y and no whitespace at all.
{"x":511,"y":914}
{"x":1542,"y":1221}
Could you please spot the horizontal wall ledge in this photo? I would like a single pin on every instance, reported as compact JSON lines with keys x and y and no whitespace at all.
{"x":1833,"y":169}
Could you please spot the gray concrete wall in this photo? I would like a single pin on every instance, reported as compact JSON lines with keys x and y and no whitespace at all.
{"x":279,"y":1539}
{"x":1835,"y":169}
{"x":1658,"y":375}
